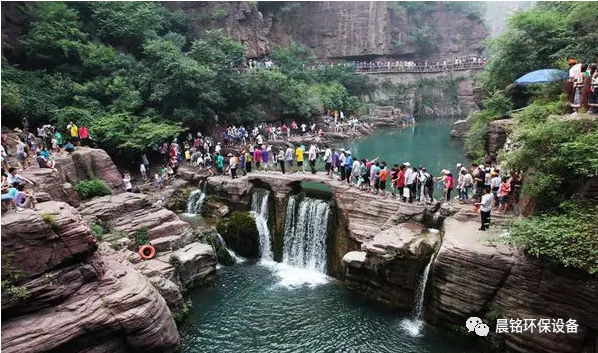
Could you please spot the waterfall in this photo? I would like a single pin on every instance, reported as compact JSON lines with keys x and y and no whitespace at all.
{"x":305,"y":231}
{"x":195,"y":201}
{"x":259,"y":207}
{"x":421,"y":290}
{"x":414,"y":325}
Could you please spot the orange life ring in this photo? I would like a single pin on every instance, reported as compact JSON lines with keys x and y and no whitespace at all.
{"x":152,"y":252}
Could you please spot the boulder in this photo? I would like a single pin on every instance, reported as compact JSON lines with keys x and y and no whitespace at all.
{"x":498,"y":131}
{"x":61,"y":295}
{"x":122,"y":303}
{"x":195,"y":263}
{"x":34,"y":242}
{"x":388,"y":268}
{"x":129,"y":213}
{"x":460,"y":129}
{"x":50,"y":182}
{"x":89,"y":163}
{"x":241,"y":234}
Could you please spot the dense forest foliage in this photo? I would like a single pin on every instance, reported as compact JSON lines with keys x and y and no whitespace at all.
{"x":133,"y":72}
{"x":557,"y":153}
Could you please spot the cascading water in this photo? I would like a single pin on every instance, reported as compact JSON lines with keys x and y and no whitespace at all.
{"x":414,"y":325}
{"x":195,"y":201}
{"x":259,"y":206}
{"x":305,"y":234}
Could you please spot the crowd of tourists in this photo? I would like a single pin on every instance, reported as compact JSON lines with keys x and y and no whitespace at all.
{"x":582,"y":86}
{"x":381,"y":65}
{"x":404,"y":65}
{"x":42,"y":148}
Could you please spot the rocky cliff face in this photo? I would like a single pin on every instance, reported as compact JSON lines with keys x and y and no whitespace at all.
{"x":441,"y":94}
{"x":64,"y":291}
{"x":338,"y":29}
{"x":471,"y":277}
{"x":65,"y":297}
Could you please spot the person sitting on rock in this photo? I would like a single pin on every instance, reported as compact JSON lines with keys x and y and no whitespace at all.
{"x":69,"y":147}
{"x":8,"y":196}
{"x":127,"y":182}
{"x":24,"y":198}
{"x":43,"y":161}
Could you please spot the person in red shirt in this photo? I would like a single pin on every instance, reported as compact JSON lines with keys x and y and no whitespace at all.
{"x":83,"y":134}
{"x":400,"y":182}
{"x":257,"y":158}
{"x":449,"y":184}
{"x":383,"y":178}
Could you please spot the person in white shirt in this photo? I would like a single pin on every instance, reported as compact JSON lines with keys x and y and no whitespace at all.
{"x":232,"y":165}
{"x":356,"y":172}
{"x":485,"y":207}
{"x":410,"y":176}
{"x":288,"y":156}
{"x":218,"y":148}
{"x":303,"y":128}
{"x":313,"y":155}
{"x":143,"y":170}
{"x":328,"y":161}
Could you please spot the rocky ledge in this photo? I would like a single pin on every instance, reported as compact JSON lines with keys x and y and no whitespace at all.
{"x":65,"y":291}
{"x":389,"y":267}
{"x":60,"y":295}
{"x":474,"y":277}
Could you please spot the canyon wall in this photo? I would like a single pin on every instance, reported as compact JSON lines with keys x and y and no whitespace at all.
{"x":340,"y":29}
{"x":442,"y":94}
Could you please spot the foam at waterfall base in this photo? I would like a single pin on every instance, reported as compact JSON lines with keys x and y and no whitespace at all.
{"x":413,"y":327}
{"x":238,"y":259}
{"x":294,"y":277}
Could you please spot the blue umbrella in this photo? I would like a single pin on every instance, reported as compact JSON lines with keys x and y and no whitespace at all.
{"x":542,"y":76}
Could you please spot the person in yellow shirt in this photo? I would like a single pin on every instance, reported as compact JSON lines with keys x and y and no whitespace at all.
{"x":74,"y":133}
{"x":299,"y":155}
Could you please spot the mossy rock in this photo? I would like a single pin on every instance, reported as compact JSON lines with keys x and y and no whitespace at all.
{"x":177,"y":201}
{"x":241,"y":234}
{"x":224,"y":257}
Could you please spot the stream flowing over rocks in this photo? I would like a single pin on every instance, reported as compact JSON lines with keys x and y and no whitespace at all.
{"x":381,"y":247}
{"x":72,"y":293}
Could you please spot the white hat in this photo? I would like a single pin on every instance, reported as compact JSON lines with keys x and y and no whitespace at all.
{"x":342,"y":150}
{"x":407,"y":164}
{"x":218,"y":143}
{"x":348,"y":152}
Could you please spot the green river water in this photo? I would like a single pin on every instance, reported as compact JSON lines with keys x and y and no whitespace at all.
{"x":271,"y":307}
{"x":257,"y":308}
{"x":426,"y":143}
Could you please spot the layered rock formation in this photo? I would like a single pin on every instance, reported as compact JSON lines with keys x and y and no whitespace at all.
{"x":472,"y":277}
{"x":83,"y":164}
{"x":64,"y":293}
{"x":430,"y":94}
{"x":65,"y":297}
{"x":339,"y":29}
{"x":388,"y":268}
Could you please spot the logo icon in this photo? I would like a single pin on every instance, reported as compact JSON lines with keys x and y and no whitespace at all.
{"x":475,"y":324}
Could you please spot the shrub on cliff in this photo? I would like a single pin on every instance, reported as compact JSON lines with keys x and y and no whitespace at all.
{"x":568,"y":236}
{"x":241,"y":234}
{"x":92,"y":188}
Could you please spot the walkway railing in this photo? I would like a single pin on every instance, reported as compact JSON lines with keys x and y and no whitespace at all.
{"x":419,"y":69}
